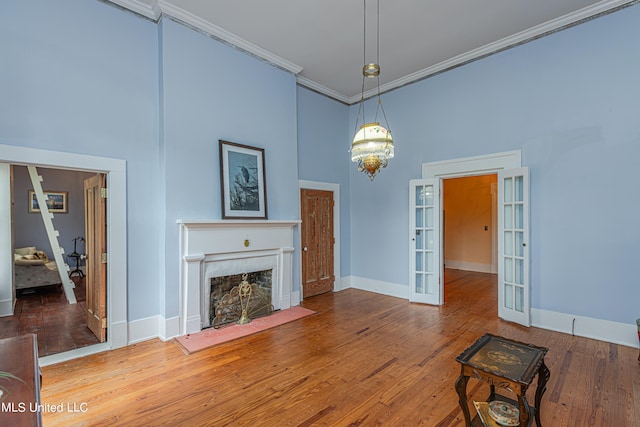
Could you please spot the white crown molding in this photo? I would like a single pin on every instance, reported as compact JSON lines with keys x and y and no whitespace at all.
{"x":323,"y":90}
{"x":226,"y":36}
{"x":156,"y":8}
{"x":151,"y":11}
{"x":513,"y":40}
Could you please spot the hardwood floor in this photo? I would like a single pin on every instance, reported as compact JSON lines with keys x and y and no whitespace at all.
{"x":363,"y":360}
{"x":44,"y":311}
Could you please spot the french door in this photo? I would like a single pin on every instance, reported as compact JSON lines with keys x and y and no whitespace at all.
{"x":425,"y":280}
{"x":513,"y":249}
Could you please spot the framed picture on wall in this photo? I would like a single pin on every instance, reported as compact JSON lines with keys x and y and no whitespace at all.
{"x":242,"y":177}
{"x":57,"y":201}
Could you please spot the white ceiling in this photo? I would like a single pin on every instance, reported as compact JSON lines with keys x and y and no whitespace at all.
{"x":322,"y":41}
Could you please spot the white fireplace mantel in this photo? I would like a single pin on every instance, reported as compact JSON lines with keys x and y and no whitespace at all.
{"x":206,"y":245}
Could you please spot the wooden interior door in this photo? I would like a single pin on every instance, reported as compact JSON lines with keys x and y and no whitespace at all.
{"x":96,"y":246}
{"x":317,"y":242}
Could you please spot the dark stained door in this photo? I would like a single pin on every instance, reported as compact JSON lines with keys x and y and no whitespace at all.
{"x":317,"y":242}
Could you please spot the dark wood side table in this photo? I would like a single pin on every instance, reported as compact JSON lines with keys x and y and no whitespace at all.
{"x":508,"y":364}
{"x":20,"y":391}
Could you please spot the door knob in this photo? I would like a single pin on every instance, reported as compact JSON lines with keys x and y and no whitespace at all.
{"x":305,"y":249}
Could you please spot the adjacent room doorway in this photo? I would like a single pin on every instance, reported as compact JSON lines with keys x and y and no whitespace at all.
{"x":334,"y":218}
{"x":41,"y":306}
{"x":426,"y":230}
{"x":115,"y":171}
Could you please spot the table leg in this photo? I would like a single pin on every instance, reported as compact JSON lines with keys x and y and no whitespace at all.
{"x":492,"y":392}
{"x":525,"y":411}
{"x":461,"y":388}
{"x":543,"y":376}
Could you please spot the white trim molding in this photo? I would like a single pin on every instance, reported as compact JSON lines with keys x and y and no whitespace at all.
{"x":226,"y":36}
{"x":116,"y":171}
{"x":213,"y":248}
{"x":397,"y":290}
{"x":499,"y":45}
{"x":148,"y":9}
{"x":587,"y":327}
{"x":476,"y":165}
{"x":154,"y":9}
{"x":597,"y":329}
{"x":468,"y":266}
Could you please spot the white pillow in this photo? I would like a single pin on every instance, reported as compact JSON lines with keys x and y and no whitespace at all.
{"x":29,"y":250}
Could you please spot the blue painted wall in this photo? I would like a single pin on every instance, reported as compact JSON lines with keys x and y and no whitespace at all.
{"x":211,"y":91}
{"x":83,"y":76}
{"x":90,"y":78}
{"x":28,"y":228}
{"x":323,"y":142}
{"x":569,"y":101}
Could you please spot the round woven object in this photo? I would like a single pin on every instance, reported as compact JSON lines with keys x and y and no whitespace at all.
{"x":504,"y":413}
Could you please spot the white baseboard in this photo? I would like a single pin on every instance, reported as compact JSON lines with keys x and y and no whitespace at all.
{"x":169,"y":328}
{"x":119,"y":334}
{"x":296,"y":297}
{"x":6,"y":307}
{"x":73,"y":354}
{"x":144,"y":329}
{"x":468,"y":266}
{"x":587,"y":327}
{"x":385,"y":288}
{"x":153,"y":327}
{"x":598,"y":329}
{"x":340,"y":284}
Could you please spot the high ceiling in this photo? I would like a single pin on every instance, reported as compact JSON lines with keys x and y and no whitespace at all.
{"x":322,"y":41}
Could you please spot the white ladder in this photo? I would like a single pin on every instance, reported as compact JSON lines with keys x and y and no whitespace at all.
{"x":47,"y":218}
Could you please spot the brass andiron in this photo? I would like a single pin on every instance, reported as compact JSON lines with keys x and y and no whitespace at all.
{"x":244,"y":302}
{"x":244,"y":292}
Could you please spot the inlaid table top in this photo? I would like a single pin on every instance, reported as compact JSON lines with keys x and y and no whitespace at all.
{"x":504,"y":363}
{"x":503,"y":357}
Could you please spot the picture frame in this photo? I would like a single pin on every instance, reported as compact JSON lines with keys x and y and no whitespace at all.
{"x":57,"y":201}
{"x":243,"y":181}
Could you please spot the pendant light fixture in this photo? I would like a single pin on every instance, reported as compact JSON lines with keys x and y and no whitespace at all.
{"x":372,"y":145}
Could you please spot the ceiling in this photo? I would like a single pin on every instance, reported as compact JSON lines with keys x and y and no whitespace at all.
{"x":322,"y":41}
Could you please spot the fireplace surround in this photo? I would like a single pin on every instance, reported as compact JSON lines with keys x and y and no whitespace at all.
{"x":214,"y":248}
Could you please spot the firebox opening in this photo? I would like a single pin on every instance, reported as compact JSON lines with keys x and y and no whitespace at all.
{"x":225,"y":306}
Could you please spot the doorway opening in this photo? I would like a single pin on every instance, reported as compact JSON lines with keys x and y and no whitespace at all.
{"x":41,"y":304}
{"x":116,"y":216}
{"x":332,"y":191}
{"x":427,"y":261}
{"x":317,"y":242}
{"x":469,"y":218}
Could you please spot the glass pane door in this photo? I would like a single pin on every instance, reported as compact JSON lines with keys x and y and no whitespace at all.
{"x":513,"y":264}
{"x":425,"y":265}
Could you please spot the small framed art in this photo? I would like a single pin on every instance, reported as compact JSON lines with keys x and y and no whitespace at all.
{"x":57,"y":201}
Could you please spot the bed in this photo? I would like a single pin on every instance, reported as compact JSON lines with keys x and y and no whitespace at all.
{"x":33,"y":268}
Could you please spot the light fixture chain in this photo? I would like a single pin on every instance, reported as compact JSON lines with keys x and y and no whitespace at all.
{"x":372,"y":145}
{"x":364,"y":61}
{"x":378,"y":39}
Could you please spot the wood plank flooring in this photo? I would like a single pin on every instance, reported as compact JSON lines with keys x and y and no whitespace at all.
{"x":44,"y":311}
{"x":363,"y":360}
